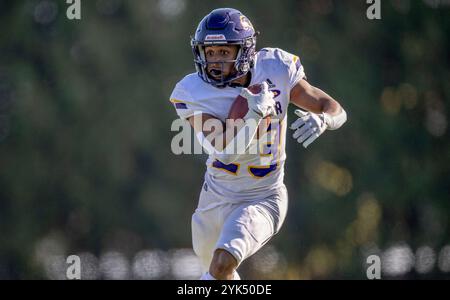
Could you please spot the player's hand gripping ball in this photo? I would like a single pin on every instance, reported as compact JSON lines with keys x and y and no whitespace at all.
{"x":239,"y":109}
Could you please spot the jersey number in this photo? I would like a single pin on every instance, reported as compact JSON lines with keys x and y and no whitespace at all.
{"x":268,"y":151}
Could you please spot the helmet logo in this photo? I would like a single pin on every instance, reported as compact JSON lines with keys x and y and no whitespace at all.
{"x":246,"y":23}
{"x":215,"y":37}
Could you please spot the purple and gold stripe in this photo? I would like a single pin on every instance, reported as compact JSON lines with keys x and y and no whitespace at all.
{"x":260,"y":172}
{"x":230,"y":168}
{"x":179,"y":104}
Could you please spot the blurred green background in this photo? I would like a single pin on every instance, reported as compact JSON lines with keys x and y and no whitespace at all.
{"x":86,"y":166}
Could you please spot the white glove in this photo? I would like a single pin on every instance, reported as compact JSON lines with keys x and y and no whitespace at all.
{"x":308,"y":127}
{"x":259,"y":105}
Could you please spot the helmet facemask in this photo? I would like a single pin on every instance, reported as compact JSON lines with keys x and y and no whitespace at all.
{"x":242,"y":63}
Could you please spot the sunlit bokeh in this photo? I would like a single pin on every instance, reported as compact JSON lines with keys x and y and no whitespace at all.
{"x":425,"y":259}
{"x":151,"y":264}
{"x":397,"y":260}
{"x":185,"y":264}
{"x":269,"y":262}
{"x":333,"y":178}
{"x":364,"y":229}
{"x":171,"y":8}
{"x":89,"y":266}
{"x":320,"y":262}
{"x":444,"y":259}
{"x":114,"y":266}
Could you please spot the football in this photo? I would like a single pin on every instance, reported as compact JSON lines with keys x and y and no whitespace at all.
{"x":239,"y":108}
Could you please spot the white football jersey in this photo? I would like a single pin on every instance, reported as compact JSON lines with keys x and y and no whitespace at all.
{"x":252,"y":175}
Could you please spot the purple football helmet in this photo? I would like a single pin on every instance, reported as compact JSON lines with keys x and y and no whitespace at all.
{"x":225,"y":26}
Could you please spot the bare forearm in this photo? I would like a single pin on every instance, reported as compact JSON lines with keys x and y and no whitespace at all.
{"x":312,"y":99}
{"x":317,"y":101}
{"x":327,"y":103}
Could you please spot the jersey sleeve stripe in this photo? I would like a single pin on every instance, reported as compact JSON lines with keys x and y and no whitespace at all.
{"x":174,"y":101}
{"x":180,"y":105}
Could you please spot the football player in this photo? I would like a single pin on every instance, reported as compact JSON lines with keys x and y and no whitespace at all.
{"x":243,"y":201}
